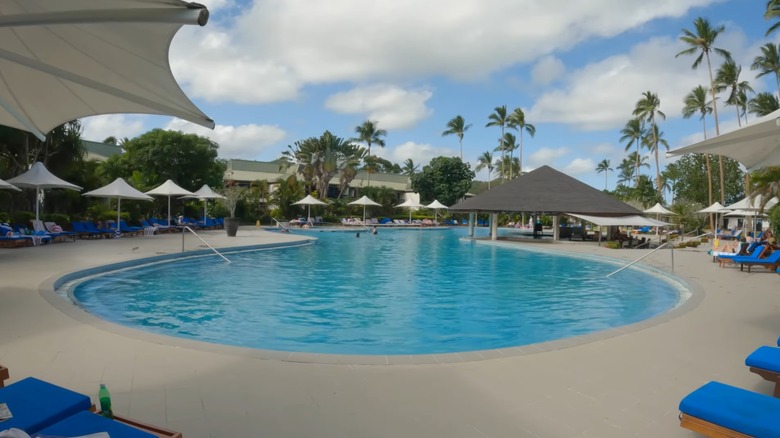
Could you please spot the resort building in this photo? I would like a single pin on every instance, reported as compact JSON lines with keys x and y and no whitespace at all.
{"x":95,"y":150}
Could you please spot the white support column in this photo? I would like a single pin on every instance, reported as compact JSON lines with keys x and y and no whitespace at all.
{"x":556,"y":228}
{"x":472,"y":221}
{"x":494,"y":226}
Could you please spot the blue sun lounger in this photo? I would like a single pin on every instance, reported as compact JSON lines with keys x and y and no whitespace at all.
{"x":765,"y":362}
{"x":720,"y":410}
{"x":87,"y":423}
{"x":36,"y":404}
{"x":772,"y":261}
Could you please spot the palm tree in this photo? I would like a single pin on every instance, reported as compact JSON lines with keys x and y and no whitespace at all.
{"x":626,"y":168}
{"x":696,"y":103}
{"x":672,"y":177}
{"x":603,"y":166}
{"x":633,"y":133}
{"x":727,"y":78}
{"x":499,"y":118}
{"x":772,"y":11}
{"x":458,"y":127}
{"x":485,"y":161}
{"x":768,"y":62}
{"x":763,"y":104}
{"x":509,"y":144}
{"x":517,"y":121}
{"x":508,"y":165}
{"x":369,"y":133}
{"x":703,"y":40}
{"x":409,"y":167}
{"x":638,"y":162}
{"x":647,"y":109}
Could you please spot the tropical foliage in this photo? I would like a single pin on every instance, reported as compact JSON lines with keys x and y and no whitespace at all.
{"x":445,"y":178}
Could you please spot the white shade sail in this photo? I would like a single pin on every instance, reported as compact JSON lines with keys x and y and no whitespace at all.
{"x":63,"y":60}
{"x":436,"y":205}
{"x":39,"y":178}
{"x":365,"y":201}
{"x":7,"y":186}
{"x":659,"y":209}
{"x":410,"y":203}
{"x":310,"y":200}
{"x":752,"y":204}
{"x":714,"y":208}
{"x":755,"y":145}
{"x":204,"y":192}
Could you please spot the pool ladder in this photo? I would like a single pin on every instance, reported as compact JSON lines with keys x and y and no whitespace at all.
{"x":201,"y":239}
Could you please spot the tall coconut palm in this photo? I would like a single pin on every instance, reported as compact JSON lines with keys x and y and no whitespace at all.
{"x":517,"y":121}
{"x":696,"y":103}
{"x":508,"y":165}
{"x":603,"y":166}
{"x":409,"y":167}
{"x":485,"y":161}
{"x":633,"y":133}
{"x":727,"y":78}
{"x":763,"y":104}
{"x":626,"y":174}
{"x":647,"y":108}
{"x":638,"y":162}
{"x":509,"y":144}
{"x":772,"y":12}
{"x":702,"y":41}
{"x":768,"y":62}
{"x":458,"y":127}
{"x":499,"y":118}
{"x":369,"y":133}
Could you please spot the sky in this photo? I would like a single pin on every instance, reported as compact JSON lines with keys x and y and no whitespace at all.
{"x":272,"y":72}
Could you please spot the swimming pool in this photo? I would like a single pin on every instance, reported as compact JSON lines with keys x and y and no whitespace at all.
{"x":398,"y":292}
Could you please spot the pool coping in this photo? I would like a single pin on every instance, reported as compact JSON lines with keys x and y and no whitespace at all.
{"x":48,"y":290}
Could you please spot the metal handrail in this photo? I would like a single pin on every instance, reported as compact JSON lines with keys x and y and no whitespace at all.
{"x":644,"y":256}
{"x":201,"y":239}
{"x":279,"y":224}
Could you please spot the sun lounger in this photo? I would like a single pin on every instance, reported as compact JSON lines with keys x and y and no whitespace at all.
{"x":765,"y":362}
{"x":86,"y":423}
{"x":719,"y":410}
{"x":36,"y":404}
{"x":771,"y":262}
{"x":3,"y":376}
{"x":754,"y":255}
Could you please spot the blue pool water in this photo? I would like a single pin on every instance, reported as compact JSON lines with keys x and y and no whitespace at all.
{"x":399,"y":292}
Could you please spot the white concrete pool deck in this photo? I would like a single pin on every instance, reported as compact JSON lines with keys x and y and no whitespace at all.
{"x":617,"y":384}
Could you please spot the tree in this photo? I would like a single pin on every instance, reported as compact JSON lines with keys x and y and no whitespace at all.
{"x":626,"y":174}
{"x":445,"y":178}
{"x":635,"y":157}
{"x":508,"y":165}
{"x":772,"y":12}
{"x":765,"y":182}
{"x":517,"y":121}
{"x":763,"y":104}
{"x":288,"y":190}
{"x":768,"y":62}
{"x":703,"y":40}
{"x":633,"y":133}
{"x":369,"y":133}
{"x":485,"y":161}
{"x":111,"y":140}
{"x":692,"y":185}
{"x":671,"y":176}
{"x":159,"y":155}
{"x":499,"y":118}
{"x":409,"y":167}
{"x":696,"y":103}
{"x":603,"y":166}
{"x":727,"y":78}
{"x":645,"y":193}
{"x":458,"y":127}
{"x":320,"y":159}
{"x":647,"y":108}
{"x":509,"y":144}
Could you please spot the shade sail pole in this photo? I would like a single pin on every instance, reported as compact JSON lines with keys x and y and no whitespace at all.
{"x":118,"y":211}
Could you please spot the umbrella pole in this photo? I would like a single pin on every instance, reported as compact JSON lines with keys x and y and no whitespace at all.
{"x":410,"y":215}
{"x":205,"y":203}
{"x":169,"y":210}
{"x":118,"y":212}
{"x":37,"y":204}
{"x":364,"y":214}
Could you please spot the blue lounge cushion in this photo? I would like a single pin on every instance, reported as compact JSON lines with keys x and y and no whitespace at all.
{"x":86,"y":423}
{"x":36,"y":404}
{"x":734,"y":408}
{"x":766,"y":358}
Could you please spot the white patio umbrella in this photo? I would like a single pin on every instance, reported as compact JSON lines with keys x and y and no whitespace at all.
{"x":436,"y":205}
{"x":169,"y":188}
{"x":204,"y":193}
{"x":410,"y":204}
{"x":309,"y":200}
{"x":120,"y":190}
{"x":6,"y":186}
{"x":364,"y":201}
{"x":63,"y":60}
{"x":755,"y":145}
{"x":39,"y":178}
{"x":752,"y":205}
{"x":716,"y":209}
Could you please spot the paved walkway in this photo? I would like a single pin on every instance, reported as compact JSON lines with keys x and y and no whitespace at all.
{"x":624,"y":383}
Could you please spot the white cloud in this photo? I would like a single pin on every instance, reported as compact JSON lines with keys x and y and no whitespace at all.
{"x":421,"y":154}
{"x":544,"y":156}
{"x":604,"y":149}
{"x":244,"y":141}
{"x":579,"y":166}
{"x":268,"y":50}
{"x":98,"y":128}
{"x":547,"y":70}
{"x":390,"y":106}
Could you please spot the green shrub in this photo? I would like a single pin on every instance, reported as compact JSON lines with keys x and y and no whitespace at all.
{"x":614,"y":244}
{"x":57,"y":218}
{"x":22,"y":218}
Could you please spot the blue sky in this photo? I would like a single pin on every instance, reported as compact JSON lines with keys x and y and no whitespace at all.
{"x":271,"y":72}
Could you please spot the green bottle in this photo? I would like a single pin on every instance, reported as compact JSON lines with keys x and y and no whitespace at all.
{"x":105,"y":401}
